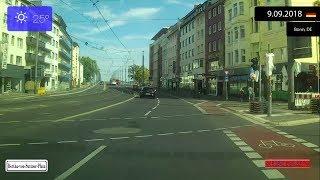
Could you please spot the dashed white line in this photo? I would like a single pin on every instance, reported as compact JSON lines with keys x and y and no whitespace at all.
{"x":90,"y":140}
{"x":115,"y":118}
{"x":146,"y":114}
{"x":217,"y":129}
{"x":165,"y":134}
{"x":38,"y":143}
{"x":120,"y":138}
{"x":61,"y":142}
{"x":1,"y":145}
{"x":185,"y":132}
{"x":154,"y":117}
{"x":143,"y":136}
{"x":128,"y":118}
{"x":204,"y":130}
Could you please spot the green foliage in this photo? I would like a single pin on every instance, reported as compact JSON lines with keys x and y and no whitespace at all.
{"x":316,"y":3}
{"x":136,"y":73}
{"x":90,"y":68}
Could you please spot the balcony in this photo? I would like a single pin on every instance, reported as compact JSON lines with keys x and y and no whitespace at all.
{"x":64,"y":65}
{"x":31,"y":59}
{"x":32,"y":41}
{"x":65,"y":43}
{"x":65,"y":55}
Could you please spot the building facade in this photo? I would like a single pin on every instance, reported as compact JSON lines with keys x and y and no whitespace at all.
{"x":215,"y":46}
{"x":75,"y":65}
{"x":155,"y":58}
{"x":12,"y":52}
{"x":171,"y":57}
{"x":65,"y":56}
{"x":192,"y":48}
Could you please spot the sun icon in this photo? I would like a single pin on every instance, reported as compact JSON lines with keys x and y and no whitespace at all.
{"x":21,"y":17}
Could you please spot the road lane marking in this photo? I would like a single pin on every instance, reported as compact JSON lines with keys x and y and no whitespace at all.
{"x":310,"y":145}
{"x":93,"y":111}
{"x":253,"y":155}
{"x":128,"y":118}
{"x":273,"y":174}
{"x":154,"y":117}
{"x":90,"y":140}
{"x":165,"y":134}
{"x":186,"y":101}
{"x":185,"y":132}
{"x":120,"y":138}
{"x":146,"y":114}
{"x":204,"y":130}
{"x":217,"y":129}
{"x":9,"y":122}
{"x":38,"y":143}
{"x":246,"y":148}
{"x":143,"y":136}
{"x":114,"y":118}
{"x":80,"y":163}
{"x":61,"y":142}
{"x":2,"y":145}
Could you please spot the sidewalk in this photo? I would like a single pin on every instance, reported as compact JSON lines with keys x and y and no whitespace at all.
{"x":281,"y":115}
{"x":15,"y":96}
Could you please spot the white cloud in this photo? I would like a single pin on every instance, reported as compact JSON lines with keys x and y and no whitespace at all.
{"x":121,"y":18}
{"x":136,"y":37}
{"x":180,"y":2}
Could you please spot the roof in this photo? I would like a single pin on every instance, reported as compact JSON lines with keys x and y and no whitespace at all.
{"x":161,"y":32}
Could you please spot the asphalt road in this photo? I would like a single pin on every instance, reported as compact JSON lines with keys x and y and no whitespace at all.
{"x":114,"y":135}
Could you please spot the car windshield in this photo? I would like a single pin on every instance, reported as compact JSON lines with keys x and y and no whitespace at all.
{"x":159,"y":89}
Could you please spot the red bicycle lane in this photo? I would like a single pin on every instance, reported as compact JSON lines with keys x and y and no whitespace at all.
{"x":277,"y":146}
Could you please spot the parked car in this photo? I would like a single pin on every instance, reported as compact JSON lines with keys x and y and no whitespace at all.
{"x":148,"y":92}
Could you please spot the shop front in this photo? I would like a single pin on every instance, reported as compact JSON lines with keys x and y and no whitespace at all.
{"x":12,"y":79}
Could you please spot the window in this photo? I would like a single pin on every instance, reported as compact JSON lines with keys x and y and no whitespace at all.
{"x":281,"y":23}
{"x":20,"y":43}
{"x":242,"y":32}
{"x":210,"y":30}
{"x":230,"y":14}
{"x":5,"y":37}
{"x":201,"y":47}
{"x":269,"y":25}
{"x":219,"y":9}
{"x":255,"y":26}
{"x":236,"y":33}
{"x":214,"y":46}
{"x":189,"y":27}
{"x":219,"y":26}
{"x":202,"y":33}
{"x":214,"y":28}
{"x":243,"y":55}
{"x":229,"y":58}
{"x":210,"y":47}
{"x":220,"y":45}
{"x":192,"y":52}
{"x":214,"y":12}
{"x":192,"y":24}
{"x":229,"y":38}
{"x":235,"y":9}
{"x":186,"y":55}
{"x":16,"y":3}
{"x":236,"y":56}
{"x":5,"y":18}
{"x":210,"y":14}
{"x":186,"y":29}
{"x":192,"y":38}
{"x":232,"y":36}
{"x":12,"y":40}
{"x":241,"y":8}
{"x":19,"y":60}
{"x":11,"y":59}
{"x":189,"y":53}
{"x":201,"y":63}
{"x":255,"y":2}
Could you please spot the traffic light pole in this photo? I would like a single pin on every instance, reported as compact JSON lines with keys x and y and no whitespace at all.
{"x":260,"y":85}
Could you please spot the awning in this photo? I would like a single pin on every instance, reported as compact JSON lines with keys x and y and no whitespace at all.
{"x":13,"y":71}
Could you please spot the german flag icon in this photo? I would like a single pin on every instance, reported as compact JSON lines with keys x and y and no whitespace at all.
{"x":311,"y":14}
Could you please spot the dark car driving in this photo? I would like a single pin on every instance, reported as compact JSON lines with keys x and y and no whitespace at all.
{"x":148,"y":92}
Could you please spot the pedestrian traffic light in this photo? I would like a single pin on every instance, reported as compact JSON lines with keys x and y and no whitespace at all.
{"x":255,"y":64}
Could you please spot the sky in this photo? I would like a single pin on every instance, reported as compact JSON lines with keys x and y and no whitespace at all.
{"x":134,"y":22}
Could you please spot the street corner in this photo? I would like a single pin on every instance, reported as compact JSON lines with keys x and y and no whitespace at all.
{"x":270,"y":143}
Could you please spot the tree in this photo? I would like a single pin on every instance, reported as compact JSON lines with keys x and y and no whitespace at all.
{"x":316,"y":3}
{"x":136,"y":73}
{"x":90,"y":68}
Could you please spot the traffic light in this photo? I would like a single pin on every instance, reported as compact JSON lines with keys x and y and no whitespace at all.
{"x":255,"y":64}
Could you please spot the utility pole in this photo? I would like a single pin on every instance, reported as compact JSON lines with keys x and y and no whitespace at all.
{"x":142,"y":67}
{"x":36,"y":65}
{"x":260,"y":69}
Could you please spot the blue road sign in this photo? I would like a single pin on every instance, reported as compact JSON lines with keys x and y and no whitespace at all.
{"x":29,"y":18}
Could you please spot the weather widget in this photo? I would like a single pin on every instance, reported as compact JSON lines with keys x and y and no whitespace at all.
{"x":25,"y":18}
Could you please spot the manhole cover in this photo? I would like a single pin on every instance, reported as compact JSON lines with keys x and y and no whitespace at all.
{"x":117,"y":130}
